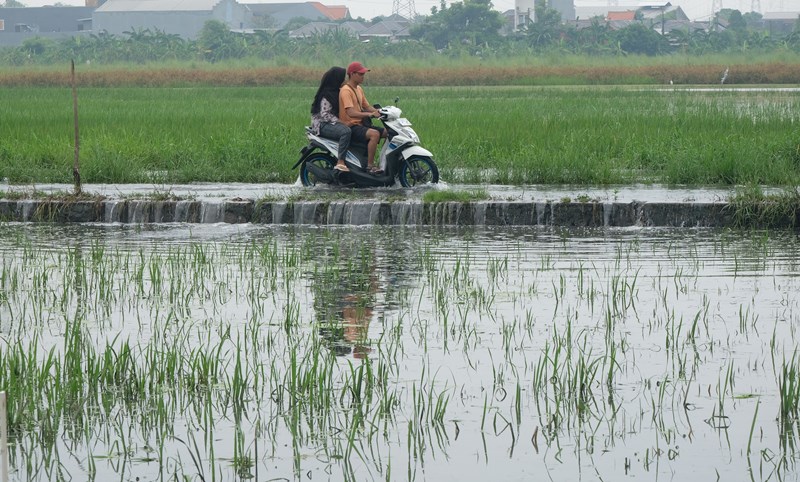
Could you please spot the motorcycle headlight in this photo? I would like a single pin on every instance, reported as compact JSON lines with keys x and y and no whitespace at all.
{"x":411,"y":135}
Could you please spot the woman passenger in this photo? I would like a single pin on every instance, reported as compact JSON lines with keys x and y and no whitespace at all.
{"x":325,"y":113}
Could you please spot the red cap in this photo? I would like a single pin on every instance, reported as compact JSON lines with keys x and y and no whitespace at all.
{"x":356,"y":67}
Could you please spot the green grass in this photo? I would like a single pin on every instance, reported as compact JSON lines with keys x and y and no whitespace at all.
{"x":505,"y":135}
{"x":752,"y":207}
{"x":455,"y":196}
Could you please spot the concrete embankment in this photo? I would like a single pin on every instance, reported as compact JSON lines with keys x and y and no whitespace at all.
{"x":372,"y":212}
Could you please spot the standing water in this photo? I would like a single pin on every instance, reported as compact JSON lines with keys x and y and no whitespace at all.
{"x":223,"y":352}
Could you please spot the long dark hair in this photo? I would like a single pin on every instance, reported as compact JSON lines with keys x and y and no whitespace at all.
{"x":329,"y":86}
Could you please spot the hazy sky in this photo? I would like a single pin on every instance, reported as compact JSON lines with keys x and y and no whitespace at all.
{"x":695,"y":9}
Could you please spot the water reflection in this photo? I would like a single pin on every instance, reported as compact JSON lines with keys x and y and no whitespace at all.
{"x":345,"y":285}
{"x":575,"y":353}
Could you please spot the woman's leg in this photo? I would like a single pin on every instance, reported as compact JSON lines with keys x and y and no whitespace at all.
{"x":342,"y":133}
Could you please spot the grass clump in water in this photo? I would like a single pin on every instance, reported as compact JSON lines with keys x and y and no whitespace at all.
{"x":754,"y":208}
{"x":456,"y":196}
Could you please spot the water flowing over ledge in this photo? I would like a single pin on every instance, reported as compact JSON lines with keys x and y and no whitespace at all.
{"x":372,"y":212}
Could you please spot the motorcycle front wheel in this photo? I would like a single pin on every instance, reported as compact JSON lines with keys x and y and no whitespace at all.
{"x":314,"y":163}
{"x":418,"y":170}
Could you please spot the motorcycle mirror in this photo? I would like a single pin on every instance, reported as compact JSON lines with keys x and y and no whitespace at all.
{"x":396,"y":100}
{"x":377,"y":106}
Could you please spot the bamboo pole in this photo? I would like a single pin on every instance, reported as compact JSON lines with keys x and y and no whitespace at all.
{"x":76,"y":167}
{"x":3,"y":437}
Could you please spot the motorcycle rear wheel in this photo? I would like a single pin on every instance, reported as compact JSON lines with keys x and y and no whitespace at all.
{"x":320,"y":160}
{"x":418,"y":170}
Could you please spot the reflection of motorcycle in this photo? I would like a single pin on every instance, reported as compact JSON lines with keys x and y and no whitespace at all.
{"x":400,"y":158}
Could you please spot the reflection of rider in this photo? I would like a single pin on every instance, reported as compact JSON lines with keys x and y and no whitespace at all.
{"x":325,"y":113}
{"x":346,"y":310}
{"x":357,"y":313}
{"x":355,"y":110}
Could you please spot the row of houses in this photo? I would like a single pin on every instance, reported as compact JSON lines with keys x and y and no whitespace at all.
{"x":187,"y":17}
{"x":393,"y":28}
{"x":182,"y":17}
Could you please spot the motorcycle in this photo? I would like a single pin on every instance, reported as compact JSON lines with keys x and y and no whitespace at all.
{"x":401,"y":158}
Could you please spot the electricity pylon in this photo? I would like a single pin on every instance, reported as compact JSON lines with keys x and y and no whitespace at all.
{"x":404,"y":8}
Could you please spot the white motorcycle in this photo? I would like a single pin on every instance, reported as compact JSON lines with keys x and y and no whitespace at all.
{"x":401,"y":158}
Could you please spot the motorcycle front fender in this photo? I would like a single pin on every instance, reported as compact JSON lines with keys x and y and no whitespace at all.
{"x":416,"y":151}
{"x":304,"y":152}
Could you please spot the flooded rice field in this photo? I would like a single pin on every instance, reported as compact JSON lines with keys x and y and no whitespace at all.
{"x":236,"y":352}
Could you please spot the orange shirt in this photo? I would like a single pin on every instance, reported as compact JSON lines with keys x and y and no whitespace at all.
{"x":348,"y":97}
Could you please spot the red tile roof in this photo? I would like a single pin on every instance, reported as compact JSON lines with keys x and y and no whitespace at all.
{"x":626,"y":15}
{"x":333,"y":12}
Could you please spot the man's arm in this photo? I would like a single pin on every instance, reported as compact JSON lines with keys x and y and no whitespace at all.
{"x":365,"y":105}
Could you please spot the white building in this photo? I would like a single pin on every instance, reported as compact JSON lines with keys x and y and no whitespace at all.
{"x":524,"y":10}
{"x":183,"y":17}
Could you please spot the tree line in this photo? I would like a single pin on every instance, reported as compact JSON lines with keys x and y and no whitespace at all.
{"x":470,"y":28}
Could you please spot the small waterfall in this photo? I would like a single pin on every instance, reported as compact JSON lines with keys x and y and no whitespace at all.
{"x":502,"y":214}
{"x":336,"y":212}
{"x":446,"y":213}
{"x":138,"y":212}
{"x":406,"y":213}
{"x":212,"y":212}
{"x":26,"y":208}
{"x":454,"y":212}
{"x":439,"y":214}
{"x":278,"y":209}
{"x":157,"y":212}
{"x":541,"y":213}
{"x":436,"y":214}
{"x":305,"y":213}
{"x":112,"y":211}
{"x":375,"y":213}
{"x":360,"y":213}
{"x":298,"y":211}
{"x":417,"y":213}
{"x":479,"y":216}
{"x":608,"y":211}
{"x":182,"y":211}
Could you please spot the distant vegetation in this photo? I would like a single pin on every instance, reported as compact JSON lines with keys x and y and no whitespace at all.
{"x":462,"y":31}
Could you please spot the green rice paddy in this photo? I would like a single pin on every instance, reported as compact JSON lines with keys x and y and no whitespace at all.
{"x":499,"y":135}
{"x":225,"y":352}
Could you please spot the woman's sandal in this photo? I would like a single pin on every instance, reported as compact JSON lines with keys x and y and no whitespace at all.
{"x":341,"y":168}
